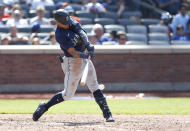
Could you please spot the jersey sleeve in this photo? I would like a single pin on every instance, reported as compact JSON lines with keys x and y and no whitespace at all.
{"x":76,"y":27}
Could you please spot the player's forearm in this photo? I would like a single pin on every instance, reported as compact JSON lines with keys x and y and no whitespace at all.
{"x":85,"y":40}
{"x":77,"y":54}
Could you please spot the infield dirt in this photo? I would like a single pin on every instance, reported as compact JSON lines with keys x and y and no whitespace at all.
{"x":79,"y":122}
{"x":89,"y":122}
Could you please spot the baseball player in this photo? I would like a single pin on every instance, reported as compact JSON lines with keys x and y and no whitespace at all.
{"x":73,"y":41}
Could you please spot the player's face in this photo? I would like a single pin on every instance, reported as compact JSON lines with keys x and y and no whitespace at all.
{"x":62,"y":26}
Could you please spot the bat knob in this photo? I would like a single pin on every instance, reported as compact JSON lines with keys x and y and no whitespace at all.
{"x":60,"y":58}
{"x":82,"y":84}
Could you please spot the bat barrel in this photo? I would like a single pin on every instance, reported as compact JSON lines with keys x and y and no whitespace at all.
{"x":84,"y":76}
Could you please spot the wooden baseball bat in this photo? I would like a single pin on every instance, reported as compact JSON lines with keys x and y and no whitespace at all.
{"x":85,"y":73}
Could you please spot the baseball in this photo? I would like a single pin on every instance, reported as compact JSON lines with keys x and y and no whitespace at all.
{"x":101,"y":87}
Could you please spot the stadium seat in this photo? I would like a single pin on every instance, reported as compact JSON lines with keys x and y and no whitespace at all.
{"x":19,"y":43}
{"x":106,"y":34}
{"x":43,"y":35}
{"x":26,"y":29}
{"x":25,"y":34}
{"x":86,"y":14}
{"x":4,"y":29}
{"x":25,"y":7}
{"x":32,"y":13}
{"x":45,"y":43}
{"x":25,"y":14}
{"x":50,"y":8}
{"x":76,"y":7}
{"x":109,"y":43}
{"x":113,"y":8}
{"x":139,"y":29}
{"x":137,"y":37}
{"x":129,"y":14}
{"x":158,"y":29}
{"x":76,"y":1}
{"x":158,"y":37}
{"x":86,"y":21}
{"x":44,"y":29}
{"x":4,"y":21}
{"x":87,"y":28}
{"x":56,"y":1}
{"x":104,"y":21}
{"x":157,"y":42}
{"x":150,"y":21}
{"x":109,"y":14}
{"x":126,"y":22}
{"x":137,"y":43}
{"x":90,"y":34}
{"x":180,"y":42}
{"x":109,"y":28}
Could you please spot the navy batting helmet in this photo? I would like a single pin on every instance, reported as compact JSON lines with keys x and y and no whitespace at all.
{"x":62,"y":16}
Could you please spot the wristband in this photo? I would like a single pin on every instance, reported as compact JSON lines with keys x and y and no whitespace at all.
{"x":83,"y":55}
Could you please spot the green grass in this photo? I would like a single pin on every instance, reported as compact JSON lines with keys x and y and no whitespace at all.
{"x":138,"y":106}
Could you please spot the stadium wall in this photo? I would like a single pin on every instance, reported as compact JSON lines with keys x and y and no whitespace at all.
{"x":25,"y":69}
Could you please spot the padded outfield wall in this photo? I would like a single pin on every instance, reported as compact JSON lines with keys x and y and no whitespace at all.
{"x":121,"y":68}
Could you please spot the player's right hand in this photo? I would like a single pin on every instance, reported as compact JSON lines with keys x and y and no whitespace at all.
{"x":91,"y":51}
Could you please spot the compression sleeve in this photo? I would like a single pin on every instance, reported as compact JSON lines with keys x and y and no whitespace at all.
{"x":76,"y":27}
{"x":84,"y":37}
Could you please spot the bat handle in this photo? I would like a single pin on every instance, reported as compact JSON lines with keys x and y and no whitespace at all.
{"x":89,"y":57}
{"x":85,"y":73}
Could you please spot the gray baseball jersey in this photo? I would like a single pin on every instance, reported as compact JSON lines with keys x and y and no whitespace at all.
{"x":74,"y":37}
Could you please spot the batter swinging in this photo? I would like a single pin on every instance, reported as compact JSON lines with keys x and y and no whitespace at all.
{"x":73,"y":41}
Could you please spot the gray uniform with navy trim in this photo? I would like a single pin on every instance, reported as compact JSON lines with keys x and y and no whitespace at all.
{"x":76,"y":38}
{"x":73,"y":69}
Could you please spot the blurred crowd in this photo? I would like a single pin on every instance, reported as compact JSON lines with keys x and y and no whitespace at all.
{"x":37,"y":14}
